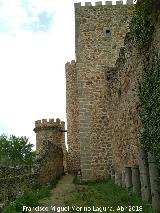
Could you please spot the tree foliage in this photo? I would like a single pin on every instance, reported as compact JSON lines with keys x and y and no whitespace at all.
{"x":15,"y":151}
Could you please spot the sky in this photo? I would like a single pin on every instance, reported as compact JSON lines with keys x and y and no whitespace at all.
{"x":36,"y":40}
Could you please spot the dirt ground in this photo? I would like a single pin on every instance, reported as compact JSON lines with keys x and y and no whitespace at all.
{"x":55,"y":203}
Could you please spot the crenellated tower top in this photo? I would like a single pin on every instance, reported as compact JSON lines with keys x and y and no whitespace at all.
{"x":49,"y":131}
{"x":100,"y":30}
{"x":100,"y":3}
{"x":45,"y":124}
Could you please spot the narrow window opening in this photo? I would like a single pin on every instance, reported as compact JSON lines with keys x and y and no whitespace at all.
{"x":107,"y":32}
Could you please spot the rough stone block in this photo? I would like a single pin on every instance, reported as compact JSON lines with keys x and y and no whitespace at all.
{"x":136,"y":180}
{"x":155,"y":182}
{"x":144,"y":177}
{"x":98,"y":3}
{"x":130,"y":2}
{"x":108,"y":2}
{"x":88,"y":4}
{"x":119,"y":2}
{"x":128,"y":177}
{"x":77,"y":4}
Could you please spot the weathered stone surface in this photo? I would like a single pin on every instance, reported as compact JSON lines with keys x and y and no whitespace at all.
{"x":128,"y":177}
{"x":99,"y":32}
{"x":144,"y":177}
{"x":50,"y":133}
{"x":73,"y":160}
{"x":123,"y":106}
{"x":49,"y":163}
{"x":102,"y":91}
{"x":155,"y":182}
{"x":136,"y":180}
{"x":14,"y":180}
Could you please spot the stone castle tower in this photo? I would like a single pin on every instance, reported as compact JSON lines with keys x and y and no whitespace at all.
{"x":99,"y":35}
{"x":50,"y":132}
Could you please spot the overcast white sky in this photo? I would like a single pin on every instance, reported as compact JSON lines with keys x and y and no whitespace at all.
{"x":36,"y":40}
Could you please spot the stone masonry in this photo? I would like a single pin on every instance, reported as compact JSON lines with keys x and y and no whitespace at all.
{"x":50,"y":147}
{"x":14,"y":181}
{"x":123,"y":106}
{"x":73,"y":162}
{"x":99,"y":35}
{"x":49,"y":163}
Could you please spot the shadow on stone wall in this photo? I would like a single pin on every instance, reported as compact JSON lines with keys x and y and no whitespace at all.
{"x":49,"y":163}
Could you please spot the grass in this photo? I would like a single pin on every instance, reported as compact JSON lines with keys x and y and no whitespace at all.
{"x":30,"y":198}
{"x":105,"y":194}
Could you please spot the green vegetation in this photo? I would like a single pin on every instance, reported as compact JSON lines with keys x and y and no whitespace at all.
{"x":105,"y":194}
{"x":142,"y":28}
{"x":15,"y":151}
{"x":149,"y":94}
{"x":30,"y":198}
{"x":142,"y":24}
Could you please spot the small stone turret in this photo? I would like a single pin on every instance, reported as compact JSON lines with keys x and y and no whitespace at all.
{"x":49,"y":131}
{"x":50,"y":149}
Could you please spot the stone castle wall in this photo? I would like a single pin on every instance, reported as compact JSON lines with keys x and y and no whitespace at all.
{"x":99,"y":32}
{"x":122,"y":87}
{"x":73,"y":161}
{"x":122,"y":83}
{"x":14,"y":181}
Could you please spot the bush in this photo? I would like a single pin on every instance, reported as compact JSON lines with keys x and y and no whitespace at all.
{"x":16,"y":151}
{"x":28,"y":198}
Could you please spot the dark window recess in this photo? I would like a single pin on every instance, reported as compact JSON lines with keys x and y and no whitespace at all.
{"x":107,"y":32}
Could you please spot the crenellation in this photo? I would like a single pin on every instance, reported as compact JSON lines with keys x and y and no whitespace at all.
{"x":98,"y":3}
{"x":45,"y":124}
{"x":73,"y":62}
{"x":88,"y":4}
{"x":70,"y":65}
{"x":119,"y":2}
{"x":129,"y":2}
{"x":58,"y":121}
{"x":108,"y":3}
{"x":44,"y":121}
{"x":37,"y":123}
{"x":67,"y":64}
{"x":63,"y":124}
{"x":77,"y":4}
{"x":101,"y":3}
{"x":51,"y":120}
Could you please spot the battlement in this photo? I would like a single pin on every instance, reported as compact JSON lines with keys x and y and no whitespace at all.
{"x":49,"y":124}
{"x":70,"y":64}
{"x":100,"y":3}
